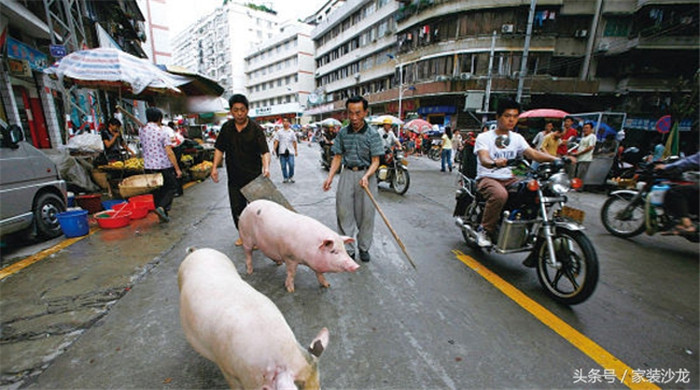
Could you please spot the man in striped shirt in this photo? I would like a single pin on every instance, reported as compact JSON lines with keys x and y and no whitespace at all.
{"x":357,"y":147}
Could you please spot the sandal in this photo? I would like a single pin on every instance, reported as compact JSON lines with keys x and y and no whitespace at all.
{"x":679,"y":230}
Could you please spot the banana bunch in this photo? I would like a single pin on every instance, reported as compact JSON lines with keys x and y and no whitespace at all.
{"x":134,"y":163}
{"x":186,"y":158}
{"x":116,"y":164}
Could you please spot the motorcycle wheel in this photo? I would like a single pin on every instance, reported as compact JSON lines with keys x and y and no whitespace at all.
{"x":576,"y":279}
{"x":400,"y":181}
{"x":629,"y":226}
{"x":435,"y":154}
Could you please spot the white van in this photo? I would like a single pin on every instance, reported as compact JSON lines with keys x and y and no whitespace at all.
{"x":31,"y":190}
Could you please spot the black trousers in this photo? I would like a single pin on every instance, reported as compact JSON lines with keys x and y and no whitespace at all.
{"x":682,"y":200}
{"x":237,"y":200}
{"x":163,"y":197}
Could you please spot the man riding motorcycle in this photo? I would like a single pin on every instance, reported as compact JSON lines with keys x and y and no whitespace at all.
{"x":680,"y":200}
{"x":493,"y":149}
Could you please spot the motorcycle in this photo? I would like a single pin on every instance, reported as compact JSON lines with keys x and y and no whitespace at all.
{"x":394,"y":171}
{"x":326,"y":154}
{"x":536,"y":220}
{"x":630,"y":211}
{"x":435,"y":152}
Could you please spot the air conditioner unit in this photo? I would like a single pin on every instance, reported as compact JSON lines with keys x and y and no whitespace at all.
{"x":507,"y":28}
{"x":604,"y":46}
{"x":441,"y":78}
{"x":465,"y":76}
{"x":581,"y":33}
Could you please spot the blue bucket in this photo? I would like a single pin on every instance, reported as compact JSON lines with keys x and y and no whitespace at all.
{"x":74,"y":223}
{"x":108,"y":204}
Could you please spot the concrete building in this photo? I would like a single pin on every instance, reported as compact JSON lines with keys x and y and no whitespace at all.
{"x":453,"y":59}
{"x":323,"y":12}
{"x":157,"y":45}
{"x":215,"y":45}
{"x":280,"y":74}
{"x":354,"y":46}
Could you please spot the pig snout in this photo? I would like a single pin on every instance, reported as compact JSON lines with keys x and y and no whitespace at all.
{"x":350,"y":266}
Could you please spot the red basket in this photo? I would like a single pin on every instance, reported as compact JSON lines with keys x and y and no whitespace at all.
{"x":92,"y":203}
{"x":136,"y":211}
{"x":143,"y":201}
{"x":113,"y":222}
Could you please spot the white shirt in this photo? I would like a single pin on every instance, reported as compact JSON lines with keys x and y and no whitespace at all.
{"x":487,"y":141}
{"x":286,"y":139}
{"x":389,"y":140}
{"x":586,"y":141}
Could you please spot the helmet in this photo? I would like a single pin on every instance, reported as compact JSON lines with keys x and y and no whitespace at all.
{"x":632,"y":155}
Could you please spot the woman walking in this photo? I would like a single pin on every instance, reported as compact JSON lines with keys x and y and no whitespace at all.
{"x":447,"y":149}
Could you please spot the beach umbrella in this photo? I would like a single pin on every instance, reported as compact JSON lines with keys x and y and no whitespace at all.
{"x":379,"y":120}
{"x":330,"y":122}
{"x":418,"y":126}
{"x":112,"y":70}
{"x":544,"y":113}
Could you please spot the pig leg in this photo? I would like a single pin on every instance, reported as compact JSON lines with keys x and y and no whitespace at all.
{"x":248,"y":259}
{"x":291,"y":271}
{"x":322,"y":280}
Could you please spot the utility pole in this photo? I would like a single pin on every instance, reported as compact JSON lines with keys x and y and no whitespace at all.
{"x":591,"y":40}
{"x":526,"y":50}
{"x":487,"y":103}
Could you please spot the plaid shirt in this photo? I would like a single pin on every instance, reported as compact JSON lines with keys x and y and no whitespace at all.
{"x":358,"y":148}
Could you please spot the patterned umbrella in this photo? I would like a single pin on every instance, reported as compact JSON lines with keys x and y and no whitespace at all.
{"x":330,"y":122}
{"x":544,"y":113}
{"x":418,"y":126}
{"x":112,"y":69}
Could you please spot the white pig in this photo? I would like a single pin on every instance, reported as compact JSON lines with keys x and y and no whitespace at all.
{"x":285,"y":236}
{"x":230,"y":323}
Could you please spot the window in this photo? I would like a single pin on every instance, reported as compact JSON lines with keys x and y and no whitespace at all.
{"x":616,"y":26}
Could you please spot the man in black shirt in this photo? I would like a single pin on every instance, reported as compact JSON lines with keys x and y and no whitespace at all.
{"x":113,"y":141}
{"x":242,"y":141}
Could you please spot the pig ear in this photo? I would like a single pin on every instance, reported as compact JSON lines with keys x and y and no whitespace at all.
{"x":346,"y":239}
{"x":320,"y":342}
{"x":327,"y":244}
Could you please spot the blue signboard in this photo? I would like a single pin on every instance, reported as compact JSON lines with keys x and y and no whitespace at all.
{"x":20,"y":51}
{"x":57,"y":51}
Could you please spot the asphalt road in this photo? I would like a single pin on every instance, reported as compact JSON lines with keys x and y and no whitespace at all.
{"x":103,"y":312}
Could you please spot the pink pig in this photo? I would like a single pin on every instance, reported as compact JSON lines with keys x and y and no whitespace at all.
{"x":285,"y":236}
{"x":230,"y":323}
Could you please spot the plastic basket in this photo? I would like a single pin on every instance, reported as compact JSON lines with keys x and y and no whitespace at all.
{"x":74,"y":223}
{"x":109,"y":204}
{"x":140,"y":184}
{"x":143,"y":201}
{"x":92,"y":202}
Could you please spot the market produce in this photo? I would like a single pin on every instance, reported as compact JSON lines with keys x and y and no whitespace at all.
{"x":202,"y":167}
{"x":134,"y":163}
{"x":116,"y":164}
{"x":186,"y":158}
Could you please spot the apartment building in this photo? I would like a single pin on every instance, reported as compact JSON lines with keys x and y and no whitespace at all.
{"x":215,"y":45}
{"x":354,"y":49}
{"x":457,"y":57}
{"x":280,"y":74}
{"x":157,"y":44}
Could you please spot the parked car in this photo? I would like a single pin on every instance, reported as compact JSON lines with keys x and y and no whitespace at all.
{"x":31,"y":190}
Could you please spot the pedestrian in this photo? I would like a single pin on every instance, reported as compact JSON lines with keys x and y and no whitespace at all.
{"x":457,"y":145}
{"x":539,"y":138}
{"x":242,"y":143}
{"x":468,"y":167}
{"x":567,"y":136}
{"x":158,"y":157}
{"x":446,"y":149}
{"x":113,"y":141}
{"x":283,"y":142}
{"x":177,"y":144}
{"x":584,"y":154}
{"x":419,"y":145}
{"x":551,"y":142}
{"x":659,"y":148}
{"x":357,"y":147}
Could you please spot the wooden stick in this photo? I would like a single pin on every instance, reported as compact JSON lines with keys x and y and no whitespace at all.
{"x":128,"y":114}
{"x":393,"y":232}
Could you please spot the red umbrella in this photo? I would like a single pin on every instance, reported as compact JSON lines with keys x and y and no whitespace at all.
{"x":418,"y":126}
{"x":544,"y":113}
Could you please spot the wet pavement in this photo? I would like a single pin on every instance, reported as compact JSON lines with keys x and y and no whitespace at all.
{"x":102,"y":313}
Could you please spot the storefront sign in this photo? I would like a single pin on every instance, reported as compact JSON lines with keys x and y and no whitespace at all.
{"x":263,"y":111}
{"x":57,"y":51}
{"x":406,"y":106}
{"x":437,"y":110}
{"x":19,"y":68}
{"x":20,"y":51}
{"x":650,"y":124}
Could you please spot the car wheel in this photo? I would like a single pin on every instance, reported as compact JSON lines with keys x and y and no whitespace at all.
{"x":46,"y":209}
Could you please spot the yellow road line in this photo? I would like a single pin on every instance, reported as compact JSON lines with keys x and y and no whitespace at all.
{"x":24,"y":263}
{"x":188,"y":184}
{"x":609,"y":362}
